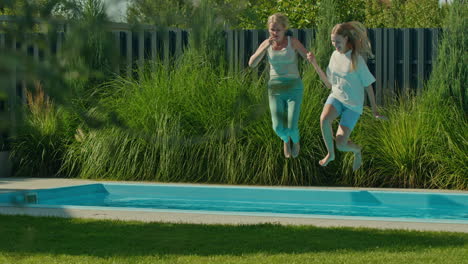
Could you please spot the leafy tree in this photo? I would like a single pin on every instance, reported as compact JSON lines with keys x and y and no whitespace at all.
{"x":42,"y":8}
{"x":242,"y":14}
{"x":301,"y":13}
{"x":381,"y":14}
{"x":171,"y":13}
{"x":404,"y":14}
{"x":351,"y":10}
{"x":423,"y":14}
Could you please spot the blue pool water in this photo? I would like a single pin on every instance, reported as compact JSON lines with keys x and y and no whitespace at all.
{"x":291,"y":202}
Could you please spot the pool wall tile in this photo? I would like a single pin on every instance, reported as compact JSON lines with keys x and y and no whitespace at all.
{"x":44,"y":195}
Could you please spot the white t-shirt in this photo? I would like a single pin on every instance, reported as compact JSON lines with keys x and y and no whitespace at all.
{"x":348,"y":86}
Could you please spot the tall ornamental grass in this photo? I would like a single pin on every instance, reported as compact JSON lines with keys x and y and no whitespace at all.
{"x":424,"y":144}
{"x":193,"y":122}
{"x":39,"y":146}
{"x":447,"y":95}
{"x":65,"y":84}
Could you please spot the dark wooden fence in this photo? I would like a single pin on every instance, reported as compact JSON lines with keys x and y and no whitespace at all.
{"x":403,"y":57}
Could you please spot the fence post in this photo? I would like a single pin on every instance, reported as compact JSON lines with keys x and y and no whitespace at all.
{"x":166,"y":42}
{"x":36,"y":49}
{"x":59,"y":40}
{"x":242,"y":49}
{"x":435,"y":45}
{"x":141,"y":51}
{"x":47,"y":49}
{"x":254,"y":40}
{"x":154,"y":45}
{"x":129,"y":53}
{"x":391,"y":61}
{"x":3,"y":106}
{"x":309,"y":38}
{"x":178,"y":40}
{"x":119,"y":51}
{"x":385,"y":87}
{"x":295,"y":33}
{"x":12,"y":93}
{"x":266,"y":34}
{"x":236,"y":50}
{"x":24,"y":50}
{"x":421,"y":60}
{"x":406,"y":61}
{"x":254,"y":45}
{"x":378,"y":65}
{"x":230,"y":49}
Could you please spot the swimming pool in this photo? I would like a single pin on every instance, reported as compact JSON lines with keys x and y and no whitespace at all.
{"x":437,"y":207}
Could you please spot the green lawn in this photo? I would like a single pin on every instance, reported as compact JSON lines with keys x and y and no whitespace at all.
{"x":25,"y":239}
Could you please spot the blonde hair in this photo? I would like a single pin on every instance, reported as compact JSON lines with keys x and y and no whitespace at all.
{"x":280,"y":19}
{"x":357,"y":38}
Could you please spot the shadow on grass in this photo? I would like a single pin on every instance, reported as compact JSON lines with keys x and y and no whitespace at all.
{"x":26,"y":235}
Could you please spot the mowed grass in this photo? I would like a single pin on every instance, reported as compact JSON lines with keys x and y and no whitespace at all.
{"x":25,"y":239}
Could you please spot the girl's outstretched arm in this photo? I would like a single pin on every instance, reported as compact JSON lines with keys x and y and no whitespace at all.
{"x":297,"y":45}
{"x":311,"y":58}
{"x":259,"y":53}
{"x":370,"y":94}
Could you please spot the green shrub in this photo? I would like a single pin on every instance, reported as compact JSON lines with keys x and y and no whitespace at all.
{"x":404,"y":14}
{"x":39,"y":145}
{"x":195,"y":123}
{"x":424,"y":144}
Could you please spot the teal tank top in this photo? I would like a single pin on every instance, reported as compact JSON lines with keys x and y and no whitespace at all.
{"x":283,"y":63}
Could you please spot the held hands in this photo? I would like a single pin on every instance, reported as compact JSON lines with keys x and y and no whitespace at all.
{"x":380,"y":117}
{"x":311,"y":58}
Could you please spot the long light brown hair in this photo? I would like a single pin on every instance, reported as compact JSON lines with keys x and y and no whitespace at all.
{"x":357,"y":39}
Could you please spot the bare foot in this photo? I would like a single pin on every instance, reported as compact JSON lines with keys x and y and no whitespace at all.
{"x":295,"y":150}
{"x":287,"y":149}
{"x":324,"y":162}
{"x":357,"y":161}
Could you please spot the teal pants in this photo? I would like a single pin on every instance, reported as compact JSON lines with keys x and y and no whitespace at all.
{"x":285,"y":98}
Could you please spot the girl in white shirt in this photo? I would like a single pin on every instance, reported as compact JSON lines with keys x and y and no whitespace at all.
{"x":347,"y":76}
{"x":285,"y":87}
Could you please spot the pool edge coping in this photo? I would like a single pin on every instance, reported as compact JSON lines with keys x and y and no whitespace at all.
{"x":218,"y":219}
{"x":26,"y":184}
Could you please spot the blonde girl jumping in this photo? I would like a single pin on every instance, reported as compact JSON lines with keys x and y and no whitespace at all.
{"x":347,"y":76}
{"x":285,"y":87}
